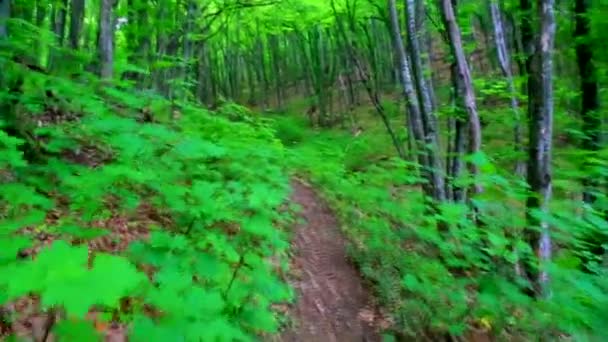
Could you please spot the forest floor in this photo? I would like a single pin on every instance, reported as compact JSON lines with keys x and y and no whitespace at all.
{"x":332,"y":303}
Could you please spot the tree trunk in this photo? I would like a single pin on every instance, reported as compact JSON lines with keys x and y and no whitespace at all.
{"x":433,"y":189}
{"x":457,"y":122}
{"x":5,"y":13}
{"x":273,"y":42}
{"x":426,"y":41}
{"x":76,"y":21}
{"x":540,"y":111}
{"x":504,"y":61}
{"x":372,"y":92}
{"x":58,"y":20}
{"x":106,"y":40}
{"x":592,"y":121}
{"x":188,"y":45}
{"x":455,"y":39}
{"x":429,"y":121}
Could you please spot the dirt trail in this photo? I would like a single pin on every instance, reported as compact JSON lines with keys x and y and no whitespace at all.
{"x":332,"y":304}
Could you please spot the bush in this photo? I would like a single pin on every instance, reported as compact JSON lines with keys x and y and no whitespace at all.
{"x":200,"y":223}
{"x":290,"y":130}
{"x":436,"y":282}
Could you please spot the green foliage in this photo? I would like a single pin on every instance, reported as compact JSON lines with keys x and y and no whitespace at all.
{"x":290,"y":130}
{"x":211,"y":276}
{"x":201,"y":193}
{"x":443,"y":273}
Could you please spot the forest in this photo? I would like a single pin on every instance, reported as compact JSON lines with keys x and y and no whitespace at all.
{"x":303,"y":170}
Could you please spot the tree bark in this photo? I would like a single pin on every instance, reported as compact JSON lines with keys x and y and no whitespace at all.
{"x":458,"y":122}
{"x":106,"y":40}
{"x":504,"y":61}
{"x":435,"y":189}
{"x":372,"y":92}
{"x":40,"y":12}
{"x":5,"y":13}
{"x":429,"y":120}
{"x":455,"y":39}
{"x":540,"y":111}
{"x":58,"y":17}
{"x":76,"y":21}
{"x":592,"y":122}
{"x":426,"y":42}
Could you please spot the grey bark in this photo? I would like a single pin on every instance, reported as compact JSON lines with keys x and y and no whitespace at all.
{"x":457,"y":122}
{"x":273,"y":42}
{"x":40,"y":12}
{"x":504,"y":61}
{"x":435,"y":187}
{"x":76,"y":22}
{"x":372,"y":92}
{"x":454,"y":35}
{"x":592,"y":122}
{"x":5,"y":13}
{"x":429,"y":120}
{"x":188,"y":44}
{"x":58,"y":17}
{"x":106,"y":39}
{"x":540,"y":111}
{"x":425,"y":39}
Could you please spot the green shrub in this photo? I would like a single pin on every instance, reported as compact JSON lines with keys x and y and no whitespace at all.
{"x":436,"y":282}
{"x":290,"y":130}
{"x":205,"y":281}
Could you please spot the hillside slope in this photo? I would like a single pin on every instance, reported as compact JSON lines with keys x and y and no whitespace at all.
{"x":120,"y":220}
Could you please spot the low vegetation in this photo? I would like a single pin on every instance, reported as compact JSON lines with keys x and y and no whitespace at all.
{"x":147,"y":150}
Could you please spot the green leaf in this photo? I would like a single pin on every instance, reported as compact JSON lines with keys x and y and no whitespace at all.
{"x":11,"y":245}
{"x":81,"y":232}
{"x":69,"y":330}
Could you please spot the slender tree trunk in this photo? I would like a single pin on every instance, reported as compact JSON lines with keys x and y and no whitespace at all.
{"x":433,"y":189}
{"x":429,"y":121}
{"x":58,"y":20}
{"x":188,"y":45}
{"x":5,"y":13}
{"x":458,"y":121}
{"x":504,"y":61}
{"x":592,"y":122}
{"x":425,"y":39}
{"x":76,"y":22}
{"x":540,"y":111}
{"x":361,"y":71}
{"x":273,"y":42}
{"x":106,"y":39}
{"x":251,"y":80}
{"x":40,"y":12}
{"x":453,"y":31}
{"x":527,"y":42}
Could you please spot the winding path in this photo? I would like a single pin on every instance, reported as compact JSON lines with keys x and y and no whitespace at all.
{"x":332,"y":304}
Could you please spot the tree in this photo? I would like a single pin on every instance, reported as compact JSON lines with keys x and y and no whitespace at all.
{"x":5,"y":11}
{"x":105,"y":46}
{"x":434,"y":188}
{"x":425,"y":99}
{"x":592,"y":122}
{"x":76,"y":22}
{"x":540,"y":112}
{"x":455,"y":40}
{"x":504,"y":61}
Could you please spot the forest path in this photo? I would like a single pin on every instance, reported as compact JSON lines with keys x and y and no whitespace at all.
{"x":332,"y":304}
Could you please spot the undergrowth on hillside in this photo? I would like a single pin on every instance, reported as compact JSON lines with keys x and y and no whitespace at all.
{"x":451,"y":280}
{"x":198,"y":254}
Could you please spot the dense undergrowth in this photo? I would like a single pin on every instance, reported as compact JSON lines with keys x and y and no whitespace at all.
{"x":458,"y":279}
{"x":169,"y":229}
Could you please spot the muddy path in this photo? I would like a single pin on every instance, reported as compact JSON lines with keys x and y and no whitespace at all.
{"x":332,"y":302}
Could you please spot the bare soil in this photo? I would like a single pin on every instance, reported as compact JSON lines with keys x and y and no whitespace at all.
{"x":332,"y":302}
